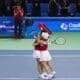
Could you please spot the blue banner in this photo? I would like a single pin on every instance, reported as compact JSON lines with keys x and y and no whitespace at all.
{"x":6,"y":26}
{"x":59,"y":24}
{"x":31,"y":29}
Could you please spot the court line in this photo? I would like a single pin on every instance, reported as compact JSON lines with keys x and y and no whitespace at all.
{"x":38,"y":78}
{"x":58,"y":56}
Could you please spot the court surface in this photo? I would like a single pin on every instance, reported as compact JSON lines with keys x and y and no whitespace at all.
{"x":72,"y":42}
{"x":19,"y":65}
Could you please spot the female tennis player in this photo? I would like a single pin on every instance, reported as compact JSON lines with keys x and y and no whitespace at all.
{"x":37,"y":55}
{"x":43,"y":56}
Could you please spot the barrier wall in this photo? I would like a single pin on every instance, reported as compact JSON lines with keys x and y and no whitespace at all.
{"x":57,"y":24}
{"x":30,"y":25}
{"x":6,"y":26}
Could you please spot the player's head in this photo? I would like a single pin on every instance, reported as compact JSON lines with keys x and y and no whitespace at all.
{"x":44,"y":35}
{"x":18,"y":5}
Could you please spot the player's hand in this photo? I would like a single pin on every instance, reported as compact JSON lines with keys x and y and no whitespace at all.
{"x":49,"y":41}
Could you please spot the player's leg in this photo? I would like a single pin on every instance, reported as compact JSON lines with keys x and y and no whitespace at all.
{"x":52,"y":71}
{"x":46,"y":58}
{"x":50,"y":66}
{"x":39,"y":66}
{"x":37,"y":55}
{"x":46,"y":71}
{"x":45,"y":67}
{"x":49,"y":73}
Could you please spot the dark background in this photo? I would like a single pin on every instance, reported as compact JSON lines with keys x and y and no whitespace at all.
{"x":46,"y":1}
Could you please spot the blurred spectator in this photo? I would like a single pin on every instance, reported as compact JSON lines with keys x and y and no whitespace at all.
{"x":72,"y":9}
{"x":2,"y":8}
{"x":36,"y":11}
{"x":9,"y":7}
{"x":78,"y":6}
{"x":23,"y":5}
{"x":64,"y":7}
{"x":53,"y":8}
{"x":17,"y":2}
{"x":18,"y":14}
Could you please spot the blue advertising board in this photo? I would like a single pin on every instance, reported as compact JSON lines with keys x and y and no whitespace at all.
{"x":58,"y":24}
{"x":6,"y":26}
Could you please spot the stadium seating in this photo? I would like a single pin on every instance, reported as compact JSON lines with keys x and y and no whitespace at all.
{"x":44,"y":9}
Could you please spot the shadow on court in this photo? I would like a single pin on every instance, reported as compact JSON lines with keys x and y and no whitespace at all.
{"x":19,"y":65}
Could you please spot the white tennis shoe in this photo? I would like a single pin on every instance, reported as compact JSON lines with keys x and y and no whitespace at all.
{"x":44,"y":76}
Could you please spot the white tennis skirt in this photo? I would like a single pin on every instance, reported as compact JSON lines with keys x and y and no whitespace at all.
{"x":36,"y":54}
{"x":43,"y":55}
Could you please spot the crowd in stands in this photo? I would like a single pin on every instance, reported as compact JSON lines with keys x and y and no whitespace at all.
{"x":39,"y":8}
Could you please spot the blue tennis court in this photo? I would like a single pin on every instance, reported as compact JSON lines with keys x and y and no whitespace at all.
{"x":19,"y":65}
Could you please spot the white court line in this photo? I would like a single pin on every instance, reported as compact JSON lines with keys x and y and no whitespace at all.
{"x":38,"y":78}
{"x":58,"y":56}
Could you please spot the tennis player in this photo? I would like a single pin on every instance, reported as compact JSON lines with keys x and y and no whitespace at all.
{"x":43,"y":56}
{"x":37,"y":55}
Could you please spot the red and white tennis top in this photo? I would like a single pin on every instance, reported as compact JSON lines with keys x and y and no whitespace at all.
{"x":41,"y":47}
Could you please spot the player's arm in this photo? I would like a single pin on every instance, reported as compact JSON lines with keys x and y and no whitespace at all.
{"x":15,"y":13}
{"x":35,"y":43}
{"x":22,"y":12}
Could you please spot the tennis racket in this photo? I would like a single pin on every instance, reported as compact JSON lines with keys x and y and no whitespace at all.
{"x":58,"y":41}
